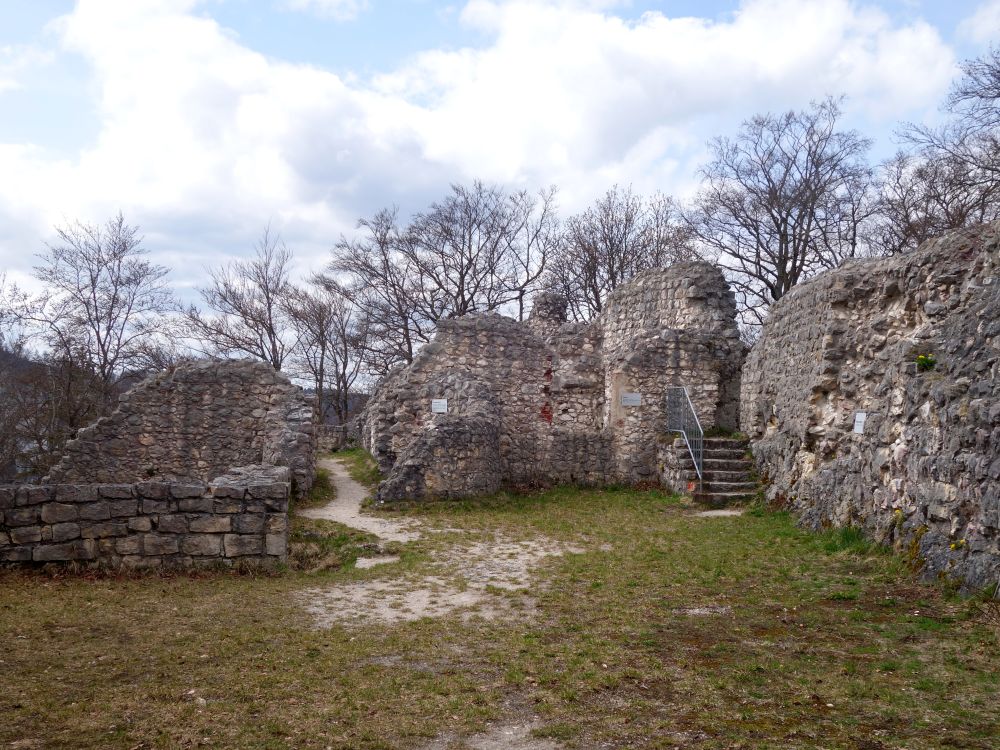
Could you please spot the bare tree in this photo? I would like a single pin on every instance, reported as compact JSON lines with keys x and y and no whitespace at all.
{"x":534,"y":237}
{"x":247,"y":300}
{"x":329,"y":345}
{"x":620,"y":235}
{"x":972,"y":136}
{"x":382,"y":281}
{"x":782,"y":200}
{"x":921,"y":196}
{"x":103,"y":301}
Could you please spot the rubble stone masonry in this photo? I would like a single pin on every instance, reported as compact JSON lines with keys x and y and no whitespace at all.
{"x":873,"y":399}
{"x":541,"y":402}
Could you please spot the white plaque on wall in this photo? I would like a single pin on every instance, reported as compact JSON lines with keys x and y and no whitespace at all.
{"x":439,"y":406}
{"x":631,"y":399}
{"x":859,"y":421}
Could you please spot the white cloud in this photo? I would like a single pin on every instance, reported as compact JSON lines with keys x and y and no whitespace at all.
{"x":339,"y":10}
{"x":203,"y":140}
{"x":983,"y":26}
{"x":15,"y":60}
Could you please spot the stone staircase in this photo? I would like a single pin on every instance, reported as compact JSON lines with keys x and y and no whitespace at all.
{"x":728,"y":474}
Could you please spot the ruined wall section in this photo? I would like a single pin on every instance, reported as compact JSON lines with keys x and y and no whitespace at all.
{"x":537,"y":403}
{"x":195,"y":421}
{"x":664,"y":329}
{"x":924,"y":470}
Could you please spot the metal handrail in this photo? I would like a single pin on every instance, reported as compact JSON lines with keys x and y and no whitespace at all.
{"x":682,"y":418}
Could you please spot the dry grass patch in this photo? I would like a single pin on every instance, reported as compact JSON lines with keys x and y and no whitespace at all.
{"x":660,"y":630}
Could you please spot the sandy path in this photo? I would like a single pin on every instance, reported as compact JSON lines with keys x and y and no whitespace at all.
{"x":346,"y":508}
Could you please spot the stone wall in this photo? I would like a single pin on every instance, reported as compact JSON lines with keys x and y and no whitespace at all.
{"x":923,"y":472}
{"x":540,"y":402}
{"x":240,"y":516}
{"x":195,"y":421}
{"x":195,"y":467}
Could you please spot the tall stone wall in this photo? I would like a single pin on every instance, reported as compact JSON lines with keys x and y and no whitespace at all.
{"x":196,"y":421}
{"x":541,"y":402}
{"x":923,"y":469}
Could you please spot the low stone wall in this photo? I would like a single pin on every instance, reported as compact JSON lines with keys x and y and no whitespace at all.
{"x":241,"y":516}
{"x":848,"y":428}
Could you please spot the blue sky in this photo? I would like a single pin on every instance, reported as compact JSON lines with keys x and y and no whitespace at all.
{"x":204,"y":120}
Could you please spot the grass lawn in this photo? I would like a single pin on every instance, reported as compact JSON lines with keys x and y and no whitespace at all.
{"x":665,"y":630}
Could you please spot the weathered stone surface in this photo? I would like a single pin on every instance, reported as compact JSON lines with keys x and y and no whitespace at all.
{"x":25,"y":534}
{"x":159,"y":544}
{"x":21,"y":516}
{"x":99,"y":511}
{"x":172,"y":524}
{"x":58,"y":512}
{"x":541,"y":402}
{"x":64,"y":532}
{"x":239,"y":545}
{"x":203,"y":545}
{"x":194,"y":421}
{"x":102,"y":530}
{"x":82,"y":549}
{"x":214,"y":524}
{"x":246,"y":523}
{"x":924,"y":464}
{"x":276,"y":545}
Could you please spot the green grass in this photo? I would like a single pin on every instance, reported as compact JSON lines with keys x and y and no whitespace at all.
{"x":321,"y":492}
{"x":820,"y":641}
{"x":361,"y":466}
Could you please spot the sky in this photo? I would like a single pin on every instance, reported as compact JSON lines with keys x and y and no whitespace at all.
{"x":203,"y":121}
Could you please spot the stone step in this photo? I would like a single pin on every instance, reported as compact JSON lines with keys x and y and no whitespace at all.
{"x":719,"y":464}
{"x":721,"y":475}
{"x":720,"y":499}
{"x":713,"y":442}
{"x":735,"y":453}
{"x":727,"y":487}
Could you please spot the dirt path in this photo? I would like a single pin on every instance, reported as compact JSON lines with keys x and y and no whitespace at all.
{"x":346,"y":508}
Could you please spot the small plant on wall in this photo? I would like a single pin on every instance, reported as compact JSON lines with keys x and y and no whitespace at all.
{"x":925,"y":362}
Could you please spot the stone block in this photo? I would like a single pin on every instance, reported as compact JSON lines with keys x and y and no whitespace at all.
{"x":29,"y":495}
{"x":181,"y":491}
{"x":25,"y":534}
{"x":277,"y":524}
{"x":115,"y":491}
{"x":172,"y":524}
{"x":7,"y":497}
{"x":103,"y":530}
{"x":142,"y":523}
{"x":270,"y":491}
{"x":201,"y":545}
{"x":123,"y":508}
{"x":196,"y":505}
{"x":248,"y":523}
{"x":228,"y":491}
{"x":237,"y":545}
{"x":75,"y":493}
{"x":153,"y":490}
{"x":59,"y":512}
{"x":21,"y":516}
{"x":81,"y":549}
{"x":276,"y":545}
{"x":129,"y":545}
{"x":99,"y":511}
{"x":211,"y":524}
{"x":64,"y":532}
{"x":15,"y":554}
{"x":227,"y":506}
{"x":157,"y":544}
{"x":152,"y":507}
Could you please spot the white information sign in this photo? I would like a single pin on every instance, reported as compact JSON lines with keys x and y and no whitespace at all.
{"x":631,"y":399}
{"x":859,"y":421}
{"x":439,"y":406}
